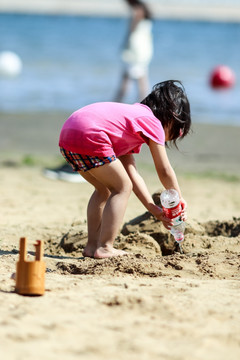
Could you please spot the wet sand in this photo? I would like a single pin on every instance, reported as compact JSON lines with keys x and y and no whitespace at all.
{"x":209,"y":148}
{"x":164,"y":10}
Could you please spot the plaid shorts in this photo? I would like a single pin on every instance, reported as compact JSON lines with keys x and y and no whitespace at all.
{"x":84,"y":162}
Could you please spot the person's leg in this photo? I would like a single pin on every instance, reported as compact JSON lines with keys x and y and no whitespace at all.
{"x":113,"y":177}
{"x":123,"y":87}
{"x":94,"y":213}
{"x":143,"y":87}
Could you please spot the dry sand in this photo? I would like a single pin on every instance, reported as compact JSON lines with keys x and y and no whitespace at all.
{"x":154,"y":303}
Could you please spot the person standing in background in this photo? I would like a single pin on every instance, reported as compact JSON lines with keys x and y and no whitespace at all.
{"x":138,"y":50}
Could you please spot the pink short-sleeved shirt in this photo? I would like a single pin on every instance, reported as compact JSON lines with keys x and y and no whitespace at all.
{"x":109,"y":128}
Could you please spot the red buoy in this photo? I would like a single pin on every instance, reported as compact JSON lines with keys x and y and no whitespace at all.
{"x":222,"y":77}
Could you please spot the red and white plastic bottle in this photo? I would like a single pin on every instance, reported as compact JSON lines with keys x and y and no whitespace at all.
{"x":172,"y":208}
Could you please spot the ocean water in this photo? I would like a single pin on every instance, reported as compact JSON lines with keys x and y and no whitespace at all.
{"x":71,"y":61}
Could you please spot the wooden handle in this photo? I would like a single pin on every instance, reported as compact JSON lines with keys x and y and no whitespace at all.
{"x":39,"y":250}
{"x":23,"y":249}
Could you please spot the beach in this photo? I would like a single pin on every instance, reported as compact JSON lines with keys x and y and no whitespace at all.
{"x":188,"y":10}
{"x":154,"y":303}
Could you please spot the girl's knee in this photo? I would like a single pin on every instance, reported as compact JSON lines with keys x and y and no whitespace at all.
{"x":125,"y":188}
{"x":103,"y":192}
{"x":129,"y":186}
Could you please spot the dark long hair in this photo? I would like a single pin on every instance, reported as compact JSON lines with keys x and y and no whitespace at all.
{"x":147,"y":12}
{"x":169,"y":103}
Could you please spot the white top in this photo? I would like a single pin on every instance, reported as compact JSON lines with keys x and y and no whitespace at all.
{"x":140,"y":44}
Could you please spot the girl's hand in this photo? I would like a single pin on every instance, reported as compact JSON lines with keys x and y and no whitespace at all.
{"x":184,"y":209}
{"x":159,"y":215}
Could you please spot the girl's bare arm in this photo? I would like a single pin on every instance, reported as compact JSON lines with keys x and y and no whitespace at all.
{"x":141,"y":191}
{"x":165,"y":171}
{"x":163,"y":167}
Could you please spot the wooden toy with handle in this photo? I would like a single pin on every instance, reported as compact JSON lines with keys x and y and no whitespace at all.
{"x":30,"y":275}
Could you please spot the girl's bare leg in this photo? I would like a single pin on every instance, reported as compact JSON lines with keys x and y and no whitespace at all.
{"x":94,"y":219}
{"x":94,"y":213}
{"x":112,"y":190}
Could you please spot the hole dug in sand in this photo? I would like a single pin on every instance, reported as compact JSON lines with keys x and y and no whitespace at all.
{"x":211,"y":249}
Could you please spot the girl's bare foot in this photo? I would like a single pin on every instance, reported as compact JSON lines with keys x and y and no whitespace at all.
{"x":89,"y":252}
{"x":103,"y":253}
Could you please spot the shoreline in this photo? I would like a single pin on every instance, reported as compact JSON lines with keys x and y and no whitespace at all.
{"x":116,"y":8}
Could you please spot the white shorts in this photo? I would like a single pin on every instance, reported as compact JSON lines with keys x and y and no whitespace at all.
{"x":137,"y":70}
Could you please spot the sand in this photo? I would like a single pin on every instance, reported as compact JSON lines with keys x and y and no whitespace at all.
{"x":154,"y":303}
{"x":187,"y":10}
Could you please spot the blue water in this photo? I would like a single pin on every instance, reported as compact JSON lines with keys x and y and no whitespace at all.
{"x":70,"y":61}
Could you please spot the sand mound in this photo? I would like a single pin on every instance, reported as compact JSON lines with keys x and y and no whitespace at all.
{"x":209,"y":250}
